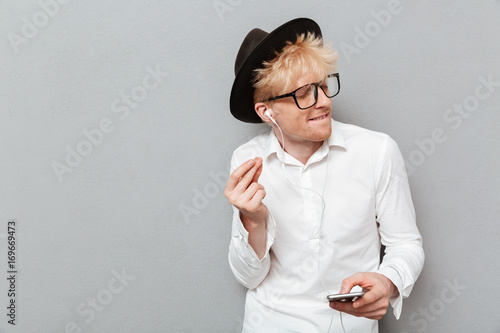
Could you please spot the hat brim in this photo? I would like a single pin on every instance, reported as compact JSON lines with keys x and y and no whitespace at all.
{"x":241,"y":101}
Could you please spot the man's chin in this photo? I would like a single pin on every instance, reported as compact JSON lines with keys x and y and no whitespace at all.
{"x":327,"y":131}
{"x":322,"y":135}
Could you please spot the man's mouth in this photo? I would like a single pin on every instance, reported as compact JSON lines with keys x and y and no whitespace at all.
{"x":320,"y":117}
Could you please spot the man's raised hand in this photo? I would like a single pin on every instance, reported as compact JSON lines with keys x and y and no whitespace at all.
{"x":245,"y":193}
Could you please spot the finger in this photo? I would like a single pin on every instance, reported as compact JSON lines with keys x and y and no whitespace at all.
{"x":345,"y":307}
{"x":259,"y":195}
{"x":372,"y":309}
{"x":371,"y":296}
{"x":251,"y":198}
{"x":378,"y":314}
{"x":350,"y":282}
{"x":342,"y":306}
{"x":371,"y":306}
{"x":355,"y":306}
{"x":246,"y":180}
{"x":235,"y":177}
{"x":258,"y":160}
{"x":368,"y":298}
{"x":375,"y":314}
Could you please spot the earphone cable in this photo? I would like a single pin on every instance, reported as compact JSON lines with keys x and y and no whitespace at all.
{"x":321,"y":219}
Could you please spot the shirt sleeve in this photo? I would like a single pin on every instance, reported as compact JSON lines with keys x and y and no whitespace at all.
{"x":404,"y":255}
{"x":246,"y":266}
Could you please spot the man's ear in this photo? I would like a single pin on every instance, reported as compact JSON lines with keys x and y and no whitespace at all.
{"x":261,"y":109}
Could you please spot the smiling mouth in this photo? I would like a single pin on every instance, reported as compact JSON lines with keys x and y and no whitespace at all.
{"x":319,"y":118}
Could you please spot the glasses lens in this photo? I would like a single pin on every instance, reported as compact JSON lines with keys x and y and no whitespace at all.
{"x":331,"y":87}
{"x":306,"y":96}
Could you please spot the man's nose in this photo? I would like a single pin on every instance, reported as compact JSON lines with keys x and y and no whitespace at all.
{"x":323,"y":100}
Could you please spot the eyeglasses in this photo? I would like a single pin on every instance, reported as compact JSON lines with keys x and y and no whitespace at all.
{"x":307,"y":96}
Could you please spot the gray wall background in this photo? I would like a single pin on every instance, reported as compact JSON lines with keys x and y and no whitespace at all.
{"x":131,"y":235}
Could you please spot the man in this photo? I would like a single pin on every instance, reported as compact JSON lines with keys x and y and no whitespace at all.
{"x":315,"y":198}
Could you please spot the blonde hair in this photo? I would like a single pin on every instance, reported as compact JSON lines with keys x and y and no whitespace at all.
{"x":307,"y":54}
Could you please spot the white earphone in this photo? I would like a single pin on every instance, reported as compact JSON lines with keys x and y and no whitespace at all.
{"x":268,"y":114}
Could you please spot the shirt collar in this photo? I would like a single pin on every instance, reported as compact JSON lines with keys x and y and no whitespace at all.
{"x":335,"y":139}
{"x":273,"y":145}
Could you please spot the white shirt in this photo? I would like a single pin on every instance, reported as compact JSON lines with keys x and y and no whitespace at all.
{"x":361,"y":178}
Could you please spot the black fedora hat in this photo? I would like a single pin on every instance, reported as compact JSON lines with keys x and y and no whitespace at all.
{"x":257,"y":47}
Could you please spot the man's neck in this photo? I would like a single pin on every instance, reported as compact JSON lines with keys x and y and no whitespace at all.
{"x":301,"y":150}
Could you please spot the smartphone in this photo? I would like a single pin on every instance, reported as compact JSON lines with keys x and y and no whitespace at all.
{"x":345,"y":297}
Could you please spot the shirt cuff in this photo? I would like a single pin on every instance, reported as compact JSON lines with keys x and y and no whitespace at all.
{"x":396,"y":301}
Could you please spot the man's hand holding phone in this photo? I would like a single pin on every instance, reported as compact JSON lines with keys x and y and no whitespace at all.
{"x":373,"y":305}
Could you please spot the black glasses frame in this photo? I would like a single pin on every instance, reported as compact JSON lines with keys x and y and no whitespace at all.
{"x":316,"y":85}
